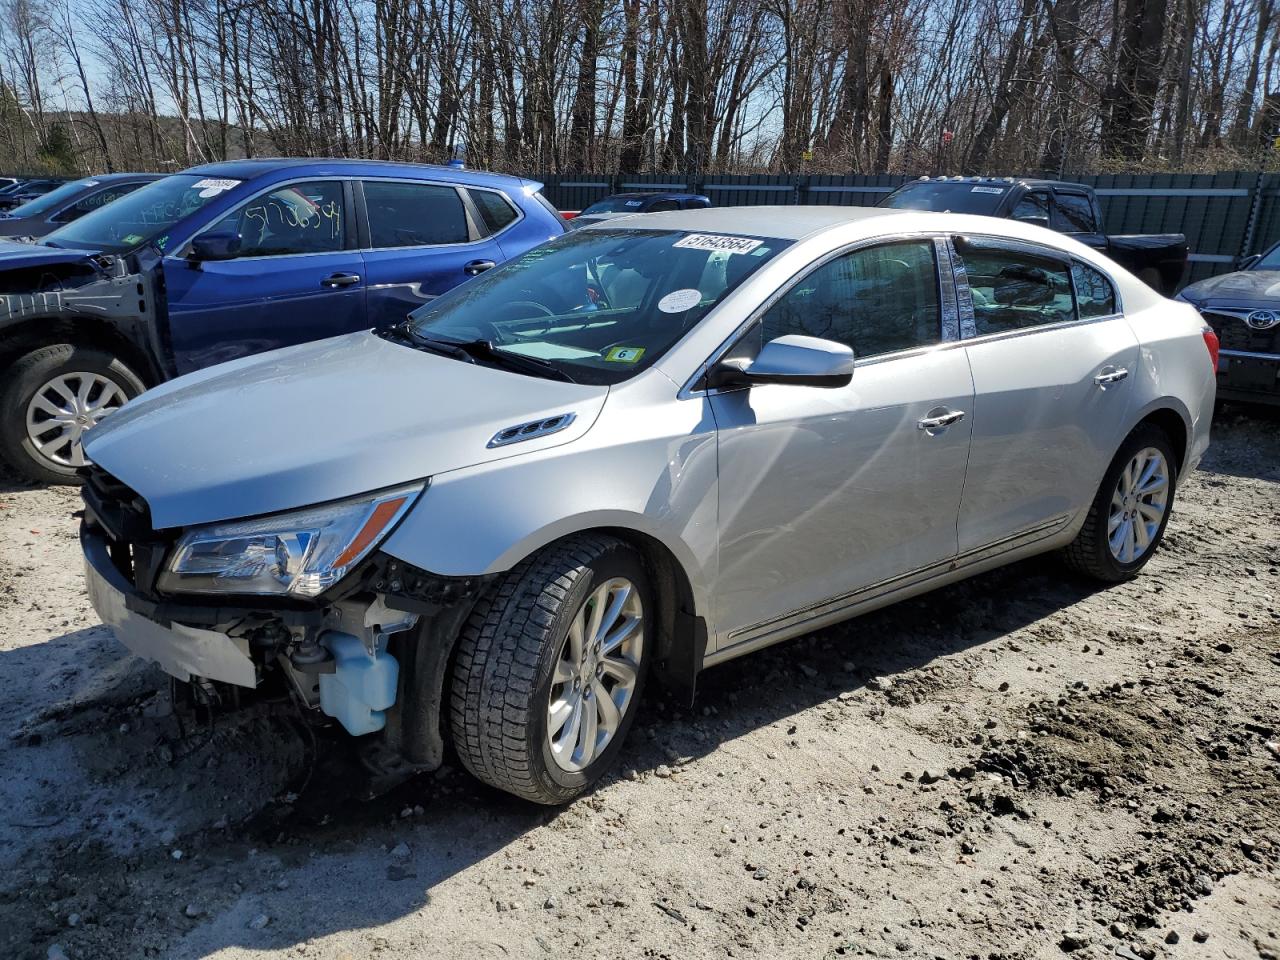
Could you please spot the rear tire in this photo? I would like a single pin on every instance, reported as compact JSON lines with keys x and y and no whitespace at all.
{"x":1123,"y":530}
{"x":82,"y":383}
{"x":550,"y":667}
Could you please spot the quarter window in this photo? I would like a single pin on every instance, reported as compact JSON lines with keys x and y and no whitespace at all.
{"x":495,"y":210}
{"x":1074,"y":214}
{"x":1095,"y":296}
{"x":413,"y":214}
{"x":876,"y":300}
{"x":1012,"y":290}
{"x":299,"y":218}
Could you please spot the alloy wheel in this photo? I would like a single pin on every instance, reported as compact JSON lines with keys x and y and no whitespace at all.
{"x":1138,"y":505}
{"x":596,"y":672}
{"x":64,"y":408}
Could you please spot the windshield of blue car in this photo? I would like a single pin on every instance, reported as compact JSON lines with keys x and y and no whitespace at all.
{"x":956,"y":197}
{"x":615,"y":205}
{"x":53,"y":199}
{"x":596,"y":305}
{"x":143,"y":216}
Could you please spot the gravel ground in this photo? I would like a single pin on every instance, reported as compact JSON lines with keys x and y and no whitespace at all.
{"x":1014,"y":767}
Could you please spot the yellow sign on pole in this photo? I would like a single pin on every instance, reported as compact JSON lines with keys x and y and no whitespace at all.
{"x":1275,"y":143}
{"x":808,"y":154}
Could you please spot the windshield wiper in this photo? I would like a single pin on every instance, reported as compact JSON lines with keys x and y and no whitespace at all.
{"x":474,"y":351}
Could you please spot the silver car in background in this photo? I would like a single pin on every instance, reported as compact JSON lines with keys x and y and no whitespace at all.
{"x":632,"y":453}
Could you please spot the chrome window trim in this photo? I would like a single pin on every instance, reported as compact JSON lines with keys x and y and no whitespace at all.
{"x":264,"y":191}
{"x":688,"y":391}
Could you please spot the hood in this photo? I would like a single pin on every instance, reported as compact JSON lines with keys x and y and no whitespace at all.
{"x":318,"y":422}
{"x":14,"y":255}
{"x":1244,"y":289}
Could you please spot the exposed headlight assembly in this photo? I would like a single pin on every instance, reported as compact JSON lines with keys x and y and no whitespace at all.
{"x":297,"y":554}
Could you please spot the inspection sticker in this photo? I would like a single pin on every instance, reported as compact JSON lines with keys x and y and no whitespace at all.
{"x":709,"y":241}
{"x":211,"y":188}
{"x":995,"y":190}
{"x":624,"y":354}
{"x":132,"y":238}
{"x":678,"y":301}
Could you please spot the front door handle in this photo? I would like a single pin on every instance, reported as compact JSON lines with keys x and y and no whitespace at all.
{"x":938,"y":422}
{"x":475,"y":267}
{"x":1110,"y":375}
{"x":340,"y":280}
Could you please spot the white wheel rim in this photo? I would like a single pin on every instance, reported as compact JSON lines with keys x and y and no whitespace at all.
{"x":1138,"y":505}
{"x":64,"y":408}
{"x":595,"y":675}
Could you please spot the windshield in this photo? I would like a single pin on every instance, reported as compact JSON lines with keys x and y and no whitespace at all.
{"x":597,"y":305}
{"x":615,"y":205}
{"x":956,"y":197}
{"x":143,"y":216}
{"x":1269,"y":260}
{"x":53,"y":199}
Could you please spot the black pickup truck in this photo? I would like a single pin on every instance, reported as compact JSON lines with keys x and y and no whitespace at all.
{"x":1158,"y":259}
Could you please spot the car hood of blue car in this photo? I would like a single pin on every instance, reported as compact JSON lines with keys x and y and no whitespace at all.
{"x":15,"y":255}
{"x":322,"y":421}
{"x":1243,"y":289}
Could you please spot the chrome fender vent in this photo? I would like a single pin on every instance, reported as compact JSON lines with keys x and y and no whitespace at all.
{"x":532,"y":429}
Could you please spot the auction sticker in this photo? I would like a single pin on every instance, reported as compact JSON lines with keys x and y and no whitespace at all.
{"x":995,"y":190}
{"x":211,"y":188}
{"x":678,"y":301}
{"x":624,"y":354}
{"x":710,"y":241}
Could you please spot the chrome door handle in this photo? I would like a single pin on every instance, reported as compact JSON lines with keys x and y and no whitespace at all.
{"x":941,"y":420}
{"x":340,"y":280}
{"x":1110,"y":375}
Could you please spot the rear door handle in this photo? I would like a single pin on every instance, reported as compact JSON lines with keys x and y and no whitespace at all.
{"x":340,"y":280}
{"x":475,"y":267}
{"x":1110,"y":375}
{"x":940,"y":421}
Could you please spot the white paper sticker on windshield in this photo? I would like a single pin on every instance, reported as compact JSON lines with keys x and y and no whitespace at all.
{"x":211,"y":188}
{"x":710,"y":241}
{"x":678,"y":301}
{"x":995,"y":190}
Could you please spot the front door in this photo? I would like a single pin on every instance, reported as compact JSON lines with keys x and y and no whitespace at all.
{"x":1053,"y":367}
{"x":826,"y":493}
{"x":296,"y":278}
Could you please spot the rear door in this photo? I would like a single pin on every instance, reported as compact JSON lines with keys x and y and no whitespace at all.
{"x":297,"y":277}
{"x":1052,"y":360}
{"x":420,"y":239}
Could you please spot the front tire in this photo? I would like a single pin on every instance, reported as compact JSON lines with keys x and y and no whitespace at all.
{"x":50,"y":397}
{"x":550,"y":667}
{"x":1128,"y":515}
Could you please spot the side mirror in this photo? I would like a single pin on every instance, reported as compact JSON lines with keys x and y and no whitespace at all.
{"x":1244,"y":263}
{"x":215,"y":245}
{"x":800,"y":361}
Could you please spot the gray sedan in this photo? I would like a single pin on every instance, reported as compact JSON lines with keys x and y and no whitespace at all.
{"x":635,"y":452}
{"x":61,"y":205}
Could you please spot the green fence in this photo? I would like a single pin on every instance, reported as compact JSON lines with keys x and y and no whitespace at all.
{"x":1223,"y":215}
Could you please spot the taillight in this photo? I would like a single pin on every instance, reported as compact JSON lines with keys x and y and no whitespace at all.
{"x":1211,"y":344}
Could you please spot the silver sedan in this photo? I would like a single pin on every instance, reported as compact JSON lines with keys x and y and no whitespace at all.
{"x":633,"y":453}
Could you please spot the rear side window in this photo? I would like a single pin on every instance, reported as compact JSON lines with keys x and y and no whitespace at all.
{"x":1074,"y":214}
{"x":1013,"y":290}
{"x":876,"y":300}
{"x":413,"y":214}
{"x":495,"y":209}
{"x":1095,"y":296}
{"x":658,"y":206}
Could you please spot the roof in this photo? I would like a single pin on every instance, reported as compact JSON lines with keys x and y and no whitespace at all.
{"x":118,"y":177}
{"x":782,"y":223}
{"x":323,"y":167}
{"x":653,"y":194}
{"x":1030,"y":182}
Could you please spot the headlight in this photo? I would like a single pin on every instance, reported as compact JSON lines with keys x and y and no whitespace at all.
{"x":299,"y":554}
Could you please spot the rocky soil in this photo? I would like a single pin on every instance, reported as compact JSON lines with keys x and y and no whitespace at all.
{"x":1016,"y":767}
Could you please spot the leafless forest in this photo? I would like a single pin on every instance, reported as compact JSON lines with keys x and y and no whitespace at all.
{"x":839,"y":86}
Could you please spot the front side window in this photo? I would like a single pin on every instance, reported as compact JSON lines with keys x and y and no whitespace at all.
{"x":876,"y":300}
{"x":94,"y":201}
{"x":1074,"y":214}
{"x":596,"y":306}
{"x":1095,"y":296}
{"x":414,"y":214}
{"x":1013,"y":290}
{"x":1033,"y":208}
{"x":297,"y":219}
